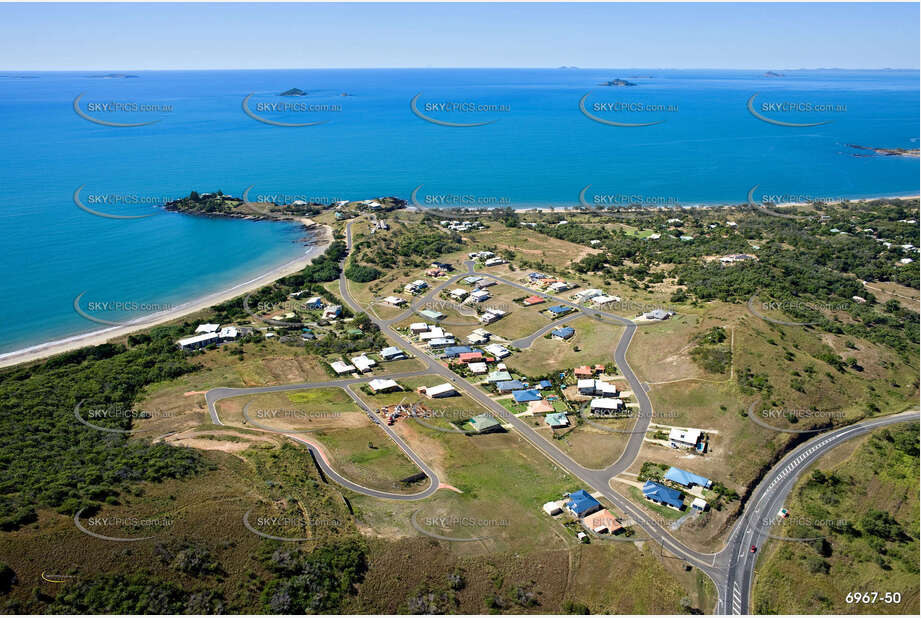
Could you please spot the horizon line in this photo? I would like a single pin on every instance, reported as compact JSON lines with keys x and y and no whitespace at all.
{"x":420,"y":68}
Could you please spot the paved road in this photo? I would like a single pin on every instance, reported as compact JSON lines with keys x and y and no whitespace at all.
{"x":767,"y":499}
{"x":729,"y":569}
{"x":217,"y":394}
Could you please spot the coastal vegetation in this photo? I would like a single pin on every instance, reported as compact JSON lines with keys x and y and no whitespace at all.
{"x":863,"y":512}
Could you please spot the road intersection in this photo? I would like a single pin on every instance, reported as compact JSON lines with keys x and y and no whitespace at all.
{"x":730,"y":569}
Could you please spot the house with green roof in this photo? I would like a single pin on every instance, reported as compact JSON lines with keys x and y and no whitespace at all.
{"x":484,"y":423}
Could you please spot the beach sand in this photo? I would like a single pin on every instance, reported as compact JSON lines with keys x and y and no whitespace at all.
{"x":102,"y":336}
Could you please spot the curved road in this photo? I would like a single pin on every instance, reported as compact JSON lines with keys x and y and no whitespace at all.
{"x":730,"y":569}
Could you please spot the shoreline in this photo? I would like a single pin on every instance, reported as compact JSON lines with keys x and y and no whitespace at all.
{"x":98,"y":337}
{"x":677,"y":206}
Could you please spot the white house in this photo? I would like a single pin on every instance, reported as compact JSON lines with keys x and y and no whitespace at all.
{"x":494,"y":261}
{"x":229,"y":333}
{"x":459,"y":293}
{"x":379,"y":385}
{"x":603,"y":300}
{"x":477,"y":368}
{"x":198,"y":341}
{"x":333,"y":311}
{"x":339,"y":367}
{"x":497,"y":350}
{"x":207,"y":328}
{"x":392,"y":353}
{"x":606,"y":405}
{"x":396,"y":301}
{"x":479,"y":296}
{"x":588,"y":294}
{"x":418,"y":327}
{"x":442,"y":390}
{"x":435,"y":332}
{"x":363,"y":363}
{"x":684,"y":438}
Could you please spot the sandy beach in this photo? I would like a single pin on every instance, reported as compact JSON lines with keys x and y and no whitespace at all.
{"x":98,"y":337}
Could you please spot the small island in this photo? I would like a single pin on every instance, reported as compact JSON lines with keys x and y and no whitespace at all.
{"x":113,"y":76}
{"x":884,"y":152}
{"x":773,"y":74}
{"x":293,"y":92}
{"x":617,"y":82}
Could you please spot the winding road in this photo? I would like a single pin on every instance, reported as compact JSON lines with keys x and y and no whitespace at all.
{"x":731,"y":569}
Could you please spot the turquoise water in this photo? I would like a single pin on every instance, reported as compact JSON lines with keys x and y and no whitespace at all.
{"x":538,"y":150}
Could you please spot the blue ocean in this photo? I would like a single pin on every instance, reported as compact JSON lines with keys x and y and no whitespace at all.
{"x":463,"y":137}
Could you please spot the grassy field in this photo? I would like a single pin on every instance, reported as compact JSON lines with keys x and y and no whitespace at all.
{"x":358,"y":448}
{"x":593,"y":343}
{"x":872,"y":487}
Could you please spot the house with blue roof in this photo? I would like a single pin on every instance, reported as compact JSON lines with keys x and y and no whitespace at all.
{"x":545,"y":384}
{"x":688,"y":479}
{"x":666,"y":496}
{"x":559,"y":309}
{"x":456,"y":350}
{"x":581,"y":503}
{"x":507,"y":386}
{"x":563,"y":333}
{"x":525,"y":396}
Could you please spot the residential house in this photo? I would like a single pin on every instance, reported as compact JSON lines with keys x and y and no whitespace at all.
{"x":684,"y":438}
{"x":198,"y":341}
{"x":478,"y":296}
{"x":470,"y":357}
{"x":602,"y":522}
{"x":441,"y":342}
{"x":558,"y":310}
{"x":588,"y":294}
{"x":557,"y":420}
{"x":379,"y":385}
{"x":207,"y":328}
{"x":688,"y":479}
{"x":494,"y":261}
{"x":581,"y":503}
{"x":484,"y":423}
{"x":441,"y":390}
{"x":456,"y":350}
{"x":229,"y":333}
{"x":396,"y":301}
{"x":563,"y":333}
{"x":431,"y":314}
{"x":417,"y":328}
{"x":660,"y":494}
{"x":533,"y":300}
{"x":498,"y":376}
{"x":415,"y":287}
{"x":459,"y":293}
{"x":497,"y":350}
{"x":604,"y":406}
{"x":339,"y":367}
{"x":477,"y":368}
{"x":332,"y":312}
{"x":392,"y":353}
{"x":363,"y":363}
{"x":658,"y":314}
{"x":524,"y":396}
{"x":314,"y":302}
{"x":507,"y":386}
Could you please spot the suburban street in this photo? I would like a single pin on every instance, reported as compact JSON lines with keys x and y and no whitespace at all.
{"x":731,"y":569}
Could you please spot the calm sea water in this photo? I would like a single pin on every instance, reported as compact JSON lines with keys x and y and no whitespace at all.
{"x":538,"y":149}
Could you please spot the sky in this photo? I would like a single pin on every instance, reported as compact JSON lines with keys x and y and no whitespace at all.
{"x":113,"y":37}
